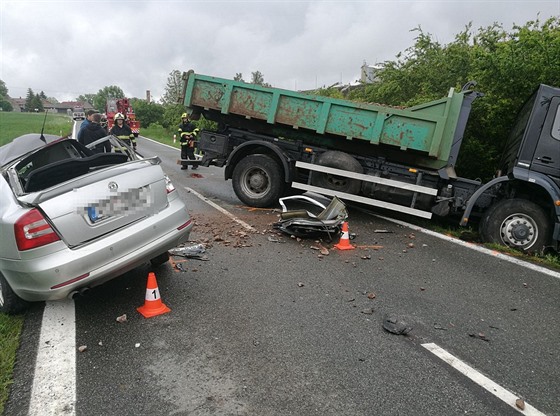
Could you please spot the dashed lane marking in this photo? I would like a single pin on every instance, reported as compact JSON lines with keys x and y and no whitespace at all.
{"x":501,"y":393}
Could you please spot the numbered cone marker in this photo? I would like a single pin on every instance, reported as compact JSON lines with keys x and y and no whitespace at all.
{"x":153,"y":305}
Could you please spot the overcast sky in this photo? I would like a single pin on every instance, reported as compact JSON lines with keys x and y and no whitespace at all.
{"x":68,"y":48}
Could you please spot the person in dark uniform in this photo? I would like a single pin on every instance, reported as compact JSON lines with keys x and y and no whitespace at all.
{"x":187,"y":137}
{"x":92,"y":132}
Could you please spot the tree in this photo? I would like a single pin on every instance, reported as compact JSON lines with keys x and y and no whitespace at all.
{"x":258,"y":79}
{"x":238,"y":77}
{"x":3,"y":89}
{"x":173,"y":88}
{"x":29,"y":100}
{"x":42,"y":95}
{"x":506,"y":66}
{"x":147,"y":112}
{"x":100,"y":99}
{"x":5,"y":105}
{"x":86,"y":98}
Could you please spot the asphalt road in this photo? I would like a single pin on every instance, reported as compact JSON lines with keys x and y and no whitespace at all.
{"x":268,"y":326}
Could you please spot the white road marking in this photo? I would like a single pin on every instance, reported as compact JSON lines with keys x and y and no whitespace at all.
{"x":54,"y":382}
{"x":475,"y":247}
{"x":222,"y":210}
{"x":501,"y":393}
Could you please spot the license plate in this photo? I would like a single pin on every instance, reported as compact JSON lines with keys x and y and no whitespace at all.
{"x":132,"y":202}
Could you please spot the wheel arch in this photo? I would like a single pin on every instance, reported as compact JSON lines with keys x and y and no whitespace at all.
{"x":253,"y":148}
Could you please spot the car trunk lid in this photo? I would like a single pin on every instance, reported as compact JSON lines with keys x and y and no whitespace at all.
{"x":102,"y":202}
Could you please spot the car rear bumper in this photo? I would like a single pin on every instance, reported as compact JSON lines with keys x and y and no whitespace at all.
{"x":62,"y":272}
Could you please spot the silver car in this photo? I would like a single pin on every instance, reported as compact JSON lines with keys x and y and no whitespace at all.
{"x":71,"y":219}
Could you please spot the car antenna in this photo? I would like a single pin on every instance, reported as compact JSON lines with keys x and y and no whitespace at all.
{"x":42,"y":137}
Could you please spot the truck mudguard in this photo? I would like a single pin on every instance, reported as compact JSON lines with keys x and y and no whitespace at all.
{"x":523,"y":175}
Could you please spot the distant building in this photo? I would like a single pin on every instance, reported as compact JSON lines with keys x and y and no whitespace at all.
{"x":66,"y":107}
{"x":369,"y":73}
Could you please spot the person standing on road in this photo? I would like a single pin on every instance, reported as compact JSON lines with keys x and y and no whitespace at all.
{"x":123,"y":131}
{"x":89,"y":115}
{"x":187,"y":136}
{"x":92,"y":132}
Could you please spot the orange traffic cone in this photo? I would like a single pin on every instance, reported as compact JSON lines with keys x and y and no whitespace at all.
{"x":153,"y":305}
{"x":344,"y":243}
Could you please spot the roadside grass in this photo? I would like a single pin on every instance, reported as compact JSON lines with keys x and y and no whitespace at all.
{"x":16,"y":124}
{"x":10,"y":331}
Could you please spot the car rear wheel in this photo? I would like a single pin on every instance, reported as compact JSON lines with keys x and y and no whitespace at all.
{"x":10,"y":303}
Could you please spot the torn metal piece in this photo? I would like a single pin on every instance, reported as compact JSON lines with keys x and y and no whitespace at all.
{"x":190,"y":251}
{"x":302,"y":223}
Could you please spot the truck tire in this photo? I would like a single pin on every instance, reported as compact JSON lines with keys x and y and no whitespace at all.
{"x":338,"y":160}
{"x":258,"y":181}
{"x":10,"y":303}
{"x":517,"y":223}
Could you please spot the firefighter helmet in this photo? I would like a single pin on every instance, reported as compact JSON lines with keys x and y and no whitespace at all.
{"x":184,"y":115}
{"x":119,"y":116}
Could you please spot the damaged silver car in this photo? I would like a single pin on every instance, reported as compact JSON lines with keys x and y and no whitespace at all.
{"x":71,"y":219}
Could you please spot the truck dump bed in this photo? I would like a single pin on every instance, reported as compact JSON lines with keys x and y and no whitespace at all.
{"x":426,"y":135}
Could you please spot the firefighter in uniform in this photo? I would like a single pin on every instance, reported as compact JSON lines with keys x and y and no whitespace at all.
{"x":123,"y":131}
{"x":187,"y":137}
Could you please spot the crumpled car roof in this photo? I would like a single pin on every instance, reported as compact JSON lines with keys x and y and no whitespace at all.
{"x":24,"y":144}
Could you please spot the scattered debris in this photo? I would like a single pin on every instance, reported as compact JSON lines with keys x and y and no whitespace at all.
{"x":273,"y":239}
{"x":441,"y":328}
{"x":520,"y":404}
{"x":480,"y":335}
{"x":371,"y":295}
{"x":323,"y":250}
{"x":394,"y":325}
{"x":100,"y":343}
{"x":300,"y":284}
{"x":410,"y":245}
{"x":137,"y":345}
{"x":121,"y":319}
{"x":366,"y":257}
{"x":367,"y":311}
{"x":382,"y":231}
{"x":195,"y":251}
{"x":422,"y":288}
{"x":82,"y":348}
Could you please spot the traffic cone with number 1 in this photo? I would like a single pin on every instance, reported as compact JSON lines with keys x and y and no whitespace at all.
{"x":153,"y":305}
{"x":344,"y":243}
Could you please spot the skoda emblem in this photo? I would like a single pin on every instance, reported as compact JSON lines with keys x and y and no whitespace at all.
{"x":113,"y":186}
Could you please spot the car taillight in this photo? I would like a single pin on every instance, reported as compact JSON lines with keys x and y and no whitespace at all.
{"x":168,"y":185}
{"x":32,"y":231}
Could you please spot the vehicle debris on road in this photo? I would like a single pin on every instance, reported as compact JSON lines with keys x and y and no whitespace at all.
{"x":394,"y":325}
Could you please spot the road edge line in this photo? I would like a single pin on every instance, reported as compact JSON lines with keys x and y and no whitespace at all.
{"x":54,"y":380}
{"x":222,"y":210}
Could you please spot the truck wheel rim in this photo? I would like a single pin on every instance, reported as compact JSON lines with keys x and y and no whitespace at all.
{"x":519,"y":230}
{"x":255,"y":181}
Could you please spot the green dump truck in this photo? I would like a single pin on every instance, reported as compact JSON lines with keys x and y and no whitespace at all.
{"x":273,"y":141}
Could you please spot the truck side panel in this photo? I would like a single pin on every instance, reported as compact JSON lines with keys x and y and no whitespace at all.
{"x":427,"y":130}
